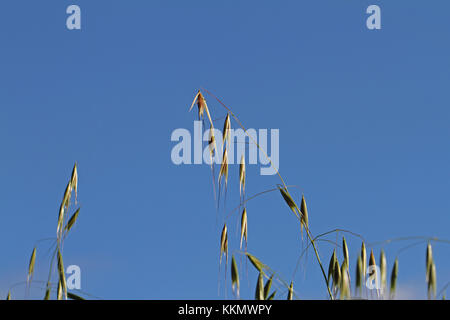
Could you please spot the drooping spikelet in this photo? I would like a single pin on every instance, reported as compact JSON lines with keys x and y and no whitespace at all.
{"x":243,"y":227}
{"x":242,"y":175}
{"x":224,"y":243}
{"x":304,"y":214}
{"x":234,"y":276}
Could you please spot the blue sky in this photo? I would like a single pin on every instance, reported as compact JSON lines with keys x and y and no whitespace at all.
{"x":363,"y":118}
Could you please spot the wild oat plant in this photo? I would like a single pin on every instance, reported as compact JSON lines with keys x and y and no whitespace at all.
{"x":336,"y":280}
{"x":55,"y":285}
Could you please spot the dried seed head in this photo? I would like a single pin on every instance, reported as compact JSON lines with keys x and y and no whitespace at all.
{"x":234,"y":276}
{"x":201,"y":102}
{"x":242,"y":175}
{"x":195,"y":99}
{"x":202,"y":106}
{"x":8,"y":297}
{"x":224,"y":243}
{"x":243,"y":226}
{"x":394,"y":275}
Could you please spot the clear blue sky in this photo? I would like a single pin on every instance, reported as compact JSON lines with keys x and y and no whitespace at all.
{"x":364,"y":131}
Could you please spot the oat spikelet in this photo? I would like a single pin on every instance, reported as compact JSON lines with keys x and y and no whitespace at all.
{"x":234,"y":276}
{"x":47,"y":291}
{"x":243,"y":227}
{"x":65,"y":205}
{"x":345,"y":282}
{"x":227,"y":130}
{"x":59,"y":294}
{"x":336,"y":274}
{"x":67,"y":194}
{"x":202,"y":107}
{"x":383,"y":270}
{"x":259,"y":292}
{"x":195,"y":99}
{"x":60,"y":219}
{"x":212,"y":144}
{"x":432,"y":282}
{"x":199,"y":99}
{"x":267,"y":287}
{"x":242,"y":175}
{"x":31,"y":265}
{"x":226,"y":249}
{"x":331,"y":266}
{"x":288,"y":199}
{"x":363,"y":260}
{"x":291,"y":291}
{"x":359,"y":276}
{"x":429,"y":260}
{"x":394,"y":275}
{"x":73,"y":296}
{"x":272,"y":296}
{"x":304,"y":214}
{"x":345,"y":250}
{"x":223,"y":172}
{"x":373,"y":264}
{"x":72,"y":221}
{"x":62,"y":276}
{"x":256,"y":262}
{"x":74,"y":181}
{"x":224,"y":243}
